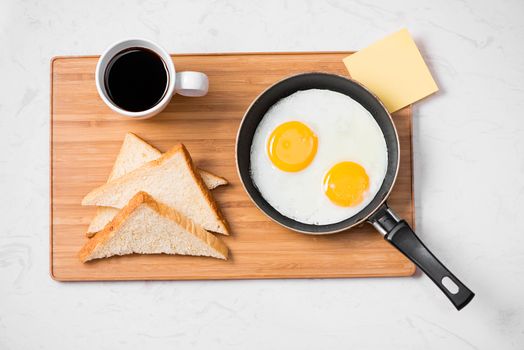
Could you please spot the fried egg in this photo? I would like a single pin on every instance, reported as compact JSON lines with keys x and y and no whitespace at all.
{"x":318,"y":157}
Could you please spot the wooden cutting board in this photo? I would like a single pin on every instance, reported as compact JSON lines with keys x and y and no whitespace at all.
{"x":86,"y":136}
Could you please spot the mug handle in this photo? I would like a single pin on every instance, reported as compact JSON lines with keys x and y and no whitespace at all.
{"x":191,"y":84}
{"x":397,"y":232}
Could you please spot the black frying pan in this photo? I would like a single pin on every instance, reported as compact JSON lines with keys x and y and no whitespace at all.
{"x":395,"y":230}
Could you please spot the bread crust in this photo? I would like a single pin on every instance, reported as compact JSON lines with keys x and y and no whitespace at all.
{"x":204,"y":189}
{"x":222,"y":180}
{"x":144,"y":198}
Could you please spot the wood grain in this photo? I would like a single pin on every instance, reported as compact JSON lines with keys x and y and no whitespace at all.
{"x":86,"y":136}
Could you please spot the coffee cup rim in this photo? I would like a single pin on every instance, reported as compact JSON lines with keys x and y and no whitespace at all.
{"x":117,"y":47}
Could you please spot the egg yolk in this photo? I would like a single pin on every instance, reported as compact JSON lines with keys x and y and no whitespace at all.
{"x":345,"y":184}
{"x":292,"y":146}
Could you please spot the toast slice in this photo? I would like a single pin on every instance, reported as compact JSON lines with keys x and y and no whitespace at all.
{"x":146,"y":226}
{"x":170,"y":179}
{"x":134,"y":153}
{"x":211,"y":180}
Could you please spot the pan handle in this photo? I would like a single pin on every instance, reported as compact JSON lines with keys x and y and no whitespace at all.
{"x":397,"y":232}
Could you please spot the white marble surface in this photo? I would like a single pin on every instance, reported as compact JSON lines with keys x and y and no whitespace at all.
{"x":469,"y":167}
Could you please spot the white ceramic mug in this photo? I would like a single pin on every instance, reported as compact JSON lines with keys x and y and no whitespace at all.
{"x":184,"y":83}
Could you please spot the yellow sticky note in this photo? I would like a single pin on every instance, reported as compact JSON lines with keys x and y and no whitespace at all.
{"x":394,"y":70}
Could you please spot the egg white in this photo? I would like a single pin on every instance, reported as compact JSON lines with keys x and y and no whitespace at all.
{"x":346,"y":131}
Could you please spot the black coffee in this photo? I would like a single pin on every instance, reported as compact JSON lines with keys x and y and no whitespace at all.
{"x":136,"y":79}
